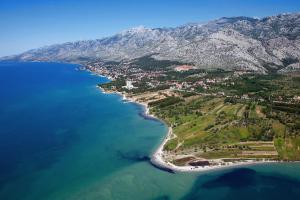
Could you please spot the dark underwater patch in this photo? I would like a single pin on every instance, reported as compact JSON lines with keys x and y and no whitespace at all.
{"x":147,"y":117}
{"x":134,"y":156}
{"x":164,"y":197}
{"x":236,"y":179}
{"x":246,"y":184}
{"x":141,"y":113}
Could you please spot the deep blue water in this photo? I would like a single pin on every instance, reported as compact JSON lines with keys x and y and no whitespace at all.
{"x":61,"y":138}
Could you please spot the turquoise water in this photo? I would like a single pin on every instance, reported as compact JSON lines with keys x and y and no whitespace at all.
{"x":61,"y":138}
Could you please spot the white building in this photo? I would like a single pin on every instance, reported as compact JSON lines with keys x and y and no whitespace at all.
{"x":129,"y":85}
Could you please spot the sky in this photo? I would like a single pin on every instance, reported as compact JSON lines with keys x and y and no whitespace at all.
{"x":28,"y":24}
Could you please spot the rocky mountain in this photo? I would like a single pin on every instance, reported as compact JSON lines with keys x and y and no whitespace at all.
{"x":261,"y":45}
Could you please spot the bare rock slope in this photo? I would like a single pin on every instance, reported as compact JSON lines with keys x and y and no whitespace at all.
{"x":261,"y":45}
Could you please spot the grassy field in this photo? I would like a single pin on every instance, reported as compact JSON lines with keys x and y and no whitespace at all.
{"x":212,"y":128}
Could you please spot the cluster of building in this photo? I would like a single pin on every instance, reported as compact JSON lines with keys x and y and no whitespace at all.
{"x":112,"y":74}
{"x":135,"y":75}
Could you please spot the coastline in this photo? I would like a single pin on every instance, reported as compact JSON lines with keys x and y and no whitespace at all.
{"x":158,"y":157}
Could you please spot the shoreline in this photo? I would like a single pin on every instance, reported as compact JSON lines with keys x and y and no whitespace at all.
{"x":158,"y":156}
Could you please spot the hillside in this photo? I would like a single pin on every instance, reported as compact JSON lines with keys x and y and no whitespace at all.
{"x":237,"y":43}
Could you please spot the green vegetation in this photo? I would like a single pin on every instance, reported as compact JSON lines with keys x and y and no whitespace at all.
{"x":217,"y":113}
{"x":166,"y":102}
{"x":116,"y":84}
{"x":150,"y":64}
{"x":223,"y":127}
{"x":268,"y":87}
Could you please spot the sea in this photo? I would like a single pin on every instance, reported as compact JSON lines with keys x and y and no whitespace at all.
{"x":61,"y":138}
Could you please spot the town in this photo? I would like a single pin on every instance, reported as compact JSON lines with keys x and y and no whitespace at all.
{"x":181,"y":78}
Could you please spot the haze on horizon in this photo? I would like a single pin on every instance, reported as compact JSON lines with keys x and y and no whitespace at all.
{"x":32,"y":24}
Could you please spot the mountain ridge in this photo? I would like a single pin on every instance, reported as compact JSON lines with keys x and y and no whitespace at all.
{"x":230,"y":43}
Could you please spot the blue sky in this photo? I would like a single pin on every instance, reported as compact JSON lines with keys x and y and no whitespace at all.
{"x":27,"y":24}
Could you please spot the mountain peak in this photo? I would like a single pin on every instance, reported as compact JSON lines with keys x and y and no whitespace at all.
{"x":136,"y":30}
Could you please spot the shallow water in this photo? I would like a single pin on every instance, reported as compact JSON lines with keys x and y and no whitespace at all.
{"x":61,"y":138}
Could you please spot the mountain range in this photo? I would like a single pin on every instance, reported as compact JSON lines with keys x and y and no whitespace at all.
{"x":235,"y":43}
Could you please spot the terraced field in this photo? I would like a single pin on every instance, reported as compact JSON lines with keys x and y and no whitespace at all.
{"x":207,"y":127}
